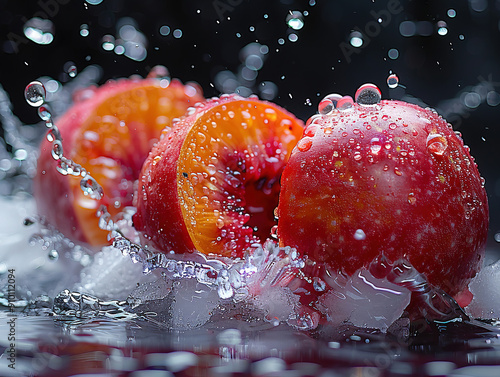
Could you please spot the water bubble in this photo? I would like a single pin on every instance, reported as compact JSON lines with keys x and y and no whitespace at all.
{"x":164,"y":30}
{"x":393,"y":53}
{"x":368,"y":94}
{"x":345,"y":103}
{"x":39,"y":30}
{"x":177,"y":33}
{"x":451,"y":13}
{"x":294,"y":20}
{"x":436,"y":144}
{"x":35,"y":93}
{"x":392,"y":81}
{"x":325,"y":106}
{"x":293,"y":37}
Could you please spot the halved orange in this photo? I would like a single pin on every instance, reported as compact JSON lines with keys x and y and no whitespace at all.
{"x":110,"y":134}
{"x":212,"y":183}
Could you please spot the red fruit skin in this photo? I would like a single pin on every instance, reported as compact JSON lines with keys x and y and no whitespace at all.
{"x":372,"y":168}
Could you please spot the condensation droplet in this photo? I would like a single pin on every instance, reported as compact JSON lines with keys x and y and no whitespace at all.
{"x":436,"y":144}
{"x":368,"y":94}
{"x":304,"y":144}
{"x":375,"y":145}
{"x":359,"y":235}
{"x":35,"y":93}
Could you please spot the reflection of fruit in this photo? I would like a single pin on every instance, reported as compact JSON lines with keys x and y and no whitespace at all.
{"x":387,"y":178}
{"x":110,"y":134}
{"x":212,"y":182}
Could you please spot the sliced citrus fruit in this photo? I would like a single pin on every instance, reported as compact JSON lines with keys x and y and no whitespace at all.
{"x":110,"y":134}
{"x":212,"y":183}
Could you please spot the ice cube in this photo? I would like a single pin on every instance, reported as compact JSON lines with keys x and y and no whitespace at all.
{"x":277,"y":303}
{"x":365,"y":301}
{"x":112,"y":275}
{"x":193,"y":303}
{"x":180,"y":304}
{"x":486,"y":301}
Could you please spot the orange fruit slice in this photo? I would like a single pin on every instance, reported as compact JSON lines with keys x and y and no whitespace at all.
{"x":212,"y":183}
{"x":110,"y":135}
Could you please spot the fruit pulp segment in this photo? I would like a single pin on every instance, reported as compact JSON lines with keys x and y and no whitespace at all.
{"x":228,"y":174}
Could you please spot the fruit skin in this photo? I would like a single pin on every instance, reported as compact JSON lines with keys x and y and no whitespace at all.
{"x":390,"y":178}
{"x":168,"y":205}
{"x":112,"y":153}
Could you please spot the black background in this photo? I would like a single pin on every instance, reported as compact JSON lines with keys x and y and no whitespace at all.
{"x":433,"y":68}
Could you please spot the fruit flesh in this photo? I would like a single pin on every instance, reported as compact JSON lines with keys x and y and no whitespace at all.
{"x":389,"y":179}
{"x":216,"y":175}
{"x":110,"y":135}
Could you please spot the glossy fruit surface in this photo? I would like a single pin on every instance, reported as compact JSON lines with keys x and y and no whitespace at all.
{"x":109,"y":131}
{"x":385,"y":178}
{"x":212,"y":183}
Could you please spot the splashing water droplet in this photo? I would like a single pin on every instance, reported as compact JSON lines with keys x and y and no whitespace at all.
{"x":436,"y":144}
{"x":392,"y":81}
{"x":57,"y":149}
{"x":294,"y":20}
{"x":35,"y":93}
{"x":53,"y":255}
{"x":91,"y":188}
{"x":44,"y":112}
{"x":72,"y":71}
{"x":368,"y":94}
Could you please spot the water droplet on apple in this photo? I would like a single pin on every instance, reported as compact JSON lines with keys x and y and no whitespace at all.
{"x":436,"y":144}
{"x":359,"y":234}
{"x":368,"y":94}
{"x":304,"y":144}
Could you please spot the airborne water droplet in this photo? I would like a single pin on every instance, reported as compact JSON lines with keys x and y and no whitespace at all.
{"x":35,"y":93}
{"x":392,"y":81}
{"x":44,"y":112}
{"x":368,"y":94}
{"x":436,"y":144}
{"x":53,"y":255}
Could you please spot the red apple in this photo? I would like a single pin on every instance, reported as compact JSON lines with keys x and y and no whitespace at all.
{"x":387,"y":178}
